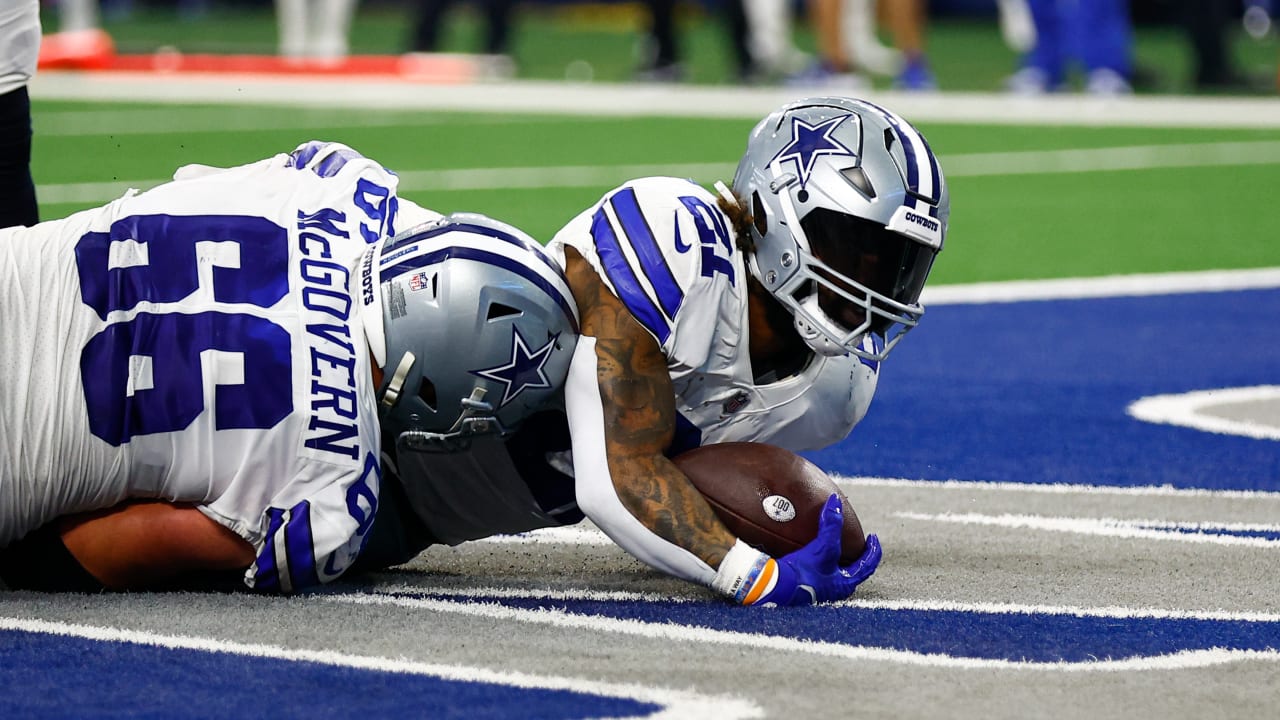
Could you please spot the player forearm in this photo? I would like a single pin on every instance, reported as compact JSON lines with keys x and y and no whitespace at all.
{"x":138,"y":545}
{"x":654,"y":533}
{"x":639,"y":420}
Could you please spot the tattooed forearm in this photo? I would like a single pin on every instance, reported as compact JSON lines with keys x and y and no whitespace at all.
{"x":639,"y":407}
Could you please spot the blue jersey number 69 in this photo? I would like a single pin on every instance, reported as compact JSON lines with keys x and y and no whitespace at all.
{"x":144,"y":375}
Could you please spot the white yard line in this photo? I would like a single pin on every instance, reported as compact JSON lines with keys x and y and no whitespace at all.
{"x":1055,"y":489}
{"x":676,"y":703}
{"x":1197,"y":533}
{"x":668,"y":632}
{"x":637,"y":99}
{"x":975,"y":164}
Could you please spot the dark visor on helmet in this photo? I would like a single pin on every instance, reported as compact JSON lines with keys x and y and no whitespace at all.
{"x":868,"y":253}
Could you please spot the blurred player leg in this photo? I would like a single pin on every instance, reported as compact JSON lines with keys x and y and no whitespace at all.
{"x":291,"y":20}
{"x":17,"y":191}
{"x":906,"y":20}
{"x":77,"y":15}
{"x":662,"y":59}
{"x":862,"y":43}
{"x":331,"y":28}
{"x":1043,"y":66}
{"x":1105,"y":39}
{"x":769,"y":35}
{"x":426,"y":30}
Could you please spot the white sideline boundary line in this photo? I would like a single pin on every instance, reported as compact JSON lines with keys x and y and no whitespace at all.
{"x":640,"y":99}
{"x":677,"y":704}
{"x":666,"y":632}
{"x":1102,"y":287}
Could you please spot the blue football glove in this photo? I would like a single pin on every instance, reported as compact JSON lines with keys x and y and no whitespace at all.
{"x":812,"y":574}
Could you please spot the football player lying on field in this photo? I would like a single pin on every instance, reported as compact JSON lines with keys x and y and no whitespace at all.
{"x":704,"y":319}
{"x":759,"y":315}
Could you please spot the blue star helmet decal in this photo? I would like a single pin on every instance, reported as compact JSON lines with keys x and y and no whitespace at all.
{"x":524,"y":370}
{"x":808,"y":142}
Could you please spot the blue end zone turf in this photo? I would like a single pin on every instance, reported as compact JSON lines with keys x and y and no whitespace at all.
{"x":53,"y":676}
{"x":1035,"y":392}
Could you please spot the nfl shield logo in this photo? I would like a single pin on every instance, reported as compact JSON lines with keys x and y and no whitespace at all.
{"x":418,"y":281}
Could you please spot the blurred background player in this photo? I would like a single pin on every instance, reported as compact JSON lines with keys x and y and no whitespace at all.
{"x":314,"y":30}
{"x":19,"y":50}
{"x":846,"y":42}
{"x":497,"y":38}
{"x":1095,"y":33}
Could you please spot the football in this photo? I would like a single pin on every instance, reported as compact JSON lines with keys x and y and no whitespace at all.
{"x":768,"y":496}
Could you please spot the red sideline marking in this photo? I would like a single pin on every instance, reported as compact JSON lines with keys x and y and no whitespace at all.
{"x":420,"y":67}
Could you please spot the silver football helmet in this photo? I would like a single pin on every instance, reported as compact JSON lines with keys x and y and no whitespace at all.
{"x":473,"y":325}
{"x":850,"y":209}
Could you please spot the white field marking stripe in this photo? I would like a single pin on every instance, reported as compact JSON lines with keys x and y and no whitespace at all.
{"x":169,"y":119}
{"x":667,"y":632}
{"x":1187,"y":410}
{"x":1095,"y":612}
{"x":677,"y":703}
{"x":569,"y":176}
{"x":1106,"y":527}
{"x":1138,"y":157}
{"x":473,"y":593}
{"x":981,"y":164}
{"x":372,"y":94}
{"x":1055,"y":489}
{"x":1099,"y":287}
{"x":555,"y":535}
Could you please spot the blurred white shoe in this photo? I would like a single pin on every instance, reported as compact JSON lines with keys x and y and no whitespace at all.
{"x":1107,"y":82}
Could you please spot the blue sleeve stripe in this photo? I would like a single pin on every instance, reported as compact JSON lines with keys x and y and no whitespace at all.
{"x":268,"y":575}
{"x":299,"y":547}
{"x":303,"y":154}
{"x":652,"y":262}
{"x":624,"y":279}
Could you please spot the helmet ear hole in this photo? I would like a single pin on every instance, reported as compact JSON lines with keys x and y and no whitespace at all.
{"x":758,"y":215}
{"x":427,"y":393}
{"x":499,"y":310}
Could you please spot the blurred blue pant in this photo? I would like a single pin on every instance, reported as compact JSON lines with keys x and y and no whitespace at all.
{"x":1097,"y":33}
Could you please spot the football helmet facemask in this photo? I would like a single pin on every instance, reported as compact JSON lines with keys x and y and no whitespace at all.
{"x":473,"y":325}
{"x":850,"y":209}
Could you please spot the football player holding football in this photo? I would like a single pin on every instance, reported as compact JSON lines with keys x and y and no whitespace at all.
{"x":759,"y":313}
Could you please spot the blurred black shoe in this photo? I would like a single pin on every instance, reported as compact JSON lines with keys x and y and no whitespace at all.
{"x":669,"y":73}
{"x":1233,"y":82}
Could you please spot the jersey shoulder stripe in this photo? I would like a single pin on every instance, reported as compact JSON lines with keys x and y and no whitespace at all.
{"x":625,"y":283}
{"x":652,"y":261}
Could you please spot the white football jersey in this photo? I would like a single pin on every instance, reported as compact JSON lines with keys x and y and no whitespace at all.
{"x":199,"y":343}
{"x":667,"y":251}
{"x":20,"y":38}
